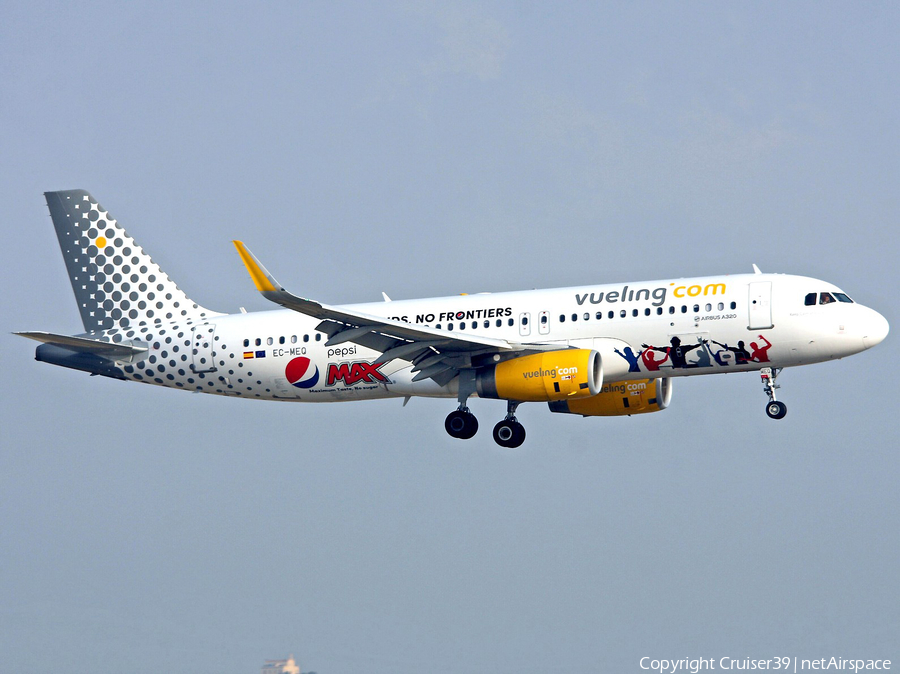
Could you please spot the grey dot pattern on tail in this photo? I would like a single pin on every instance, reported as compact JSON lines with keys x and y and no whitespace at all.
{"x":116,"y":283}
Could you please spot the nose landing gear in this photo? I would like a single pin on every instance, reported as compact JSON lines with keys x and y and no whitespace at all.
{"x":774,"y":408}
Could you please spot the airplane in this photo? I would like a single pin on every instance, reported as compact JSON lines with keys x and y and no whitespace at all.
{"x":592,"y":350}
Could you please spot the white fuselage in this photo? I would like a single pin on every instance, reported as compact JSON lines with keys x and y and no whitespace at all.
{"x":642,"y":330}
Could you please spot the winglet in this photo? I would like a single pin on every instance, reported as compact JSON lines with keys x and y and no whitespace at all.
{"x":756,"y":270}
{"x":263,"y":280}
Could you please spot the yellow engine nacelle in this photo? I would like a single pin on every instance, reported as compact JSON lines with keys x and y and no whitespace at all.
{"x":621,"y":398}
{"x":554,"y":375}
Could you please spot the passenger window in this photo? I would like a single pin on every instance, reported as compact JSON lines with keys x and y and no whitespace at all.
{"x":499,"y":323}
{"x":281,"y":340}
{"x":709,"y":307}
{"x":474,"y":324}
{"x":587,"y":317}
{"x":721,"y":306}
{"x":672,"y":309}
{"x":659,"y":311}
{"x":305,"y":338}
{"x":599,"y":315}
{"x":696,"y":308}
{"x":826,"y":298}
{"x":734,"y":305}
{"x":462,"y":326}
{"x":623,"y":313}
{"x":269,"y":341}
{"x":634,"y":312}
{"x":524,"y":320}
{"x":511,"y":322}
{"x":544,"y":319}
{"x":246,"y":342}
{"x":611,"y":314}
{"x":437,"y":327}
{"x":574,"y":317}
{"x":487,"y":324}
{"x":318,"y":336}
{"x":684,"y":308}
{"x":810,"y":300}
{"x":450,"y":327}
{"x":647,"y":311}
{"x":293,"y":339}
{"x":562,"y":318}
{"x":258,"y":342}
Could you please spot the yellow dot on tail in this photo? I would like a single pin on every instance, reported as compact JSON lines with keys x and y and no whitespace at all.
{"x":101,"y":242}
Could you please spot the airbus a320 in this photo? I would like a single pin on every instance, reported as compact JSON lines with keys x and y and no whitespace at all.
{"x":593,"y":350}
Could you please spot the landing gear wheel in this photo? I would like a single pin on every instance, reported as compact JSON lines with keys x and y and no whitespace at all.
{"x":509,"y":433}
{"x":461,"y":424}
{"x":776,"y":409}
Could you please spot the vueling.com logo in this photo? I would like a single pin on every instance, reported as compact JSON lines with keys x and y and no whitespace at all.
{"x":562,"y":371}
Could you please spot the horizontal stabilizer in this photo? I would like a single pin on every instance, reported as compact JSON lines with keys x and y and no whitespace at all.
{"x":87,"y":345}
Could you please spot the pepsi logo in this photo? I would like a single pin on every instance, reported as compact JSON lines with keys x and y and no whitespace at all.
{"x":302,"y":372}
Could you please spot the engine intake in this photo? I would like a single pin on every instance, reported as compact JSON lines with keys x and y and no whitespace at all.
{"x":553,"y":375}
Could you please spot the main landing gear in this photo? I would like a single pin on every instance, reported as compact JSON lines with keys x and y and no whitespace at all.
{"x":461,"y":423}
{"x":774,"y":408}
{"x":509,"y":432}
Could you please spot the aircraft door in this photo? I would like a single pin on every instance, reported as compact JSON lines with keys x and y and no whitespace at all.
{"x":203,"y":357}
{"x":760,"y":305}
{"x":525,"y":324}
{"x":544,"y":323}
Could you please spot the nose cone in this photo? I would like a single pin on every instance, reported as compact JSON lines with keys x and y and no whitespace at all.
{"x":876,"y":329}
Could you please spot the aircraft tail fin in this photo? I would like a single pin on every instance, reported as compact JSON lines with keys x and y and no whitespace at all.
{"x":116,"y":284}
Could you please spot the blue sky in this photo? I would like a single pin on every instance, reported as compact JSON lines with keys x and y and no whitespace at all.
{"x":427,"y":149}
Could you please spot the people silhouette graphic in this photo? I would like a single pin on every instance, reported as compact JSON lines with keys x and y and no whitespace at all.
{"x":741,"y":355}
{"x":760,"y":354}
{"x":650,"y":361}
{"x":677,"y":353}
{"x":632,"y":358}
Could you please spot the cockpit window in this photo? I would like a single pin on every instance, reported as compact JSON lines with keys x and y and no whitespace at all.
{"x":826,"y":298}
{"x":810,"y":300}
{"x":843,"y":298}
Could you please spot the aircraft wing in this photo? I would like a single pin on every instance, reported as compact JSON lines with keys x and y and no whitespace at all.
{"x":436,"y":354}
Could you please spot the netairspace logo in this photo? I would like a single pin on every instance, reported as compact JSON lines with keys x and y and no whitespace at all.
{"x":784,"y":664}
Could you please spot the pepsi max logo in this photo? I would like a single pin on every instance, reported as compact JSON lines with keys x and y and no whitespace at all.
{"x":302,"y":372}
